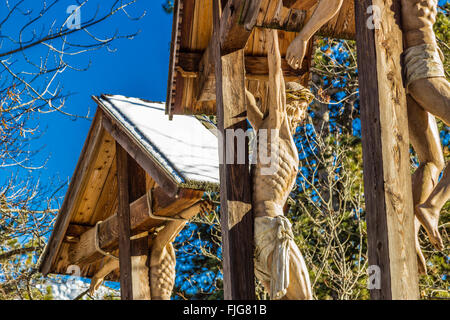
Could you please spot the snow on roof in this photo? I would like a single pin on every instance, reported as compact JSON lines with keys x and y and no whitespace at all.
{"x":183,"y":146}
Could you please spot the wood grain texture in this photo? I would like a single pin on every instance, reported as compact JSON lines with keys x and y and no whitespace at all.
{"x":385,"y":140}
{"x":235,"y":188}
{"x":123,"y":218}
{"x":140,"y":268}
{"x":232,"y":35}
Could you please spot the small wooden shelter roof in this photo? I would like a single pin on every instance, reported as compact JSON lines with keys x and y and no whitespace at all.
{"x":192,"y":30}
{"x":176,"y":159}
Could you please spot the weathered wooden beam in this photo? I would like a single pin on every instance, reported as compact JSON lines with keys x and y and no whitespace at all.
{"x":123,"y":216}
{"x":232,"y":34}
{"x":256,"y":68}
{"x":385,"y":140}
{"x":140,"y":253}
{"x":84,"y":251}
{"x":174,"y":45}
{"x":201,"y":66}
{"x":235,"y":187}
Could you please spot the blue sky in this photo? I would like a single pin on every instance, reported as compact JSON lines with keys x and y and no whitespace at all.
{"x":138,"y":68}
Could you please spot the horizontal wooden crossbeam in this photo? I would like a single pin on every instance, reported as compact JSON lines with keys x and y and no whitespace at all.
{"x":84,"y":251}
{"x":193,"y":64}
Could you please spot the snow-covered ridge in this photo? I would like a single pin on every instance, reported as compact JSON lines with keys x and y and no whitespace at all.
{"x":184,"y":147}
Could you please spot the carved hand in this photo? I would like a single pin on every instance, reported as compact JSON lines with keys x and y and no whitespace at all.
{"x":296,"y":52}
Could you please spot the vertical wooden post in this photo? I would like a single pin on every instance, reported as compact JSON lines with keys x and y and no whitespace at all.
{"x":140,"y":252}
{"x":123,"y":214}
{"x":140,"y":268}
{"x":235,"y":183}
{"x":387,"y":178}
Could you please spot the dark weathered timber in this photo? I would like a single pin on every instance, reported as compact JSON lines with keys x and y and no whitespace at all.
{"x":289,"y":3}
{"x":123,"y":214}
{"x":255,"y":66}
{"x":136,"y":182}
{"x":173,"y":52}
{"x":233,"y":35}
{"x":385,"y":140}
{"x":235,"y":187}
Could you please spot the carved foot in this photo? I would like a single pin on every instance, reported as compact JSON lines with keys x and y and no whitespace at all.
{"x":429,"y":218}
{"x":296,"y":52}
{"x":421,"y":262}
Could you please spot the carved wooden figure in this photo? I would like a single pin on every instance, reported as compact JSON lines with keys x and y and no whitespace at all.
{"x":428,"y":96}
{"x":279,"y":264}
{"x":162,"y":254}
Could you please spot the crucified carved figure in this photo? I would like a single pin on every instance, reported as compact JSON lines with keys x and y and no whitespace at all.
{"x":428,"y":96}
{"x":279,"y":264}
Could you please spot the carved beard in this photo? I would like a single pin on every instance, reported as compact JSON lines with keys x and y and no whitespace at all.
{"x":296,"y":113}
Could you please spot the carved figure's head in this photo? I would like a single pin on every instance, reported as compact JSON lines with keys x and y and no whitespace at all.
{"x":298,"y":99}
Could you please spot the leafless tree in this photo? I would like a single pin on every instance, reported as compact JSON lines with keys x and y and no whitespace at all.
{"x":39,"y":40}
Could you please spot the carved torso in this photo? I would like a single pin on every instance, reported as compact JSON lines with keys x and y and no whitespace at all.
{"x":272,"y":190}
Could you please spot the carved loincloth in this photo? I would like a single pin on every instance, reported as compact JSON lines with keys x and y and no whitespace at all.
{"x":422,"y":62}
{"x":273,"y":234}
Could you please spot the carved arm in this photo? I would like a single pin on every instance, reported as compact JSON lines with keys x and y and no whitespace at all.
{"x":324,"y":12}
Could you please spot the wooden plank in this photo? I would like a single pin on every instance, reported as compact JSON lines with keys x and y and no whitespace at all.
{"x":107,"y":203}
{"x":123,"y":217}
{"x":387,"y":179}
{"x":174,"y":45}
{"x":84,"y":251}
{"x":137,"y":180}
{"x":139,"y":268}
{"x":235,"y":187}
{"x":96,"y":181}
{"x":128,"y":142}
{"x":76,"y":187}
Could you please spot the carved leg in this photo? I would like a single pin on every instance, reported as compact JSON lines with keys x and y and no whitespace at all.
{"x":162,"y":257}
{"x":162,"y":272}
{"x":428,"y":212}
{"x":109,"y":266}
{"x":299,"y":284}
{"x":433,"y":94}
{"x":424,"y":136}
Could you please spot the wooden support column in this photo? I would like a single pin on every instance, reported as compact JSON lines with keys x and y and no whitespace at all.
{"x":140,"y":253}
{"x":387,"y":177}
{"x":235,"y":183}
{"x":123,"y":213}
{"x":140,"y":258}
